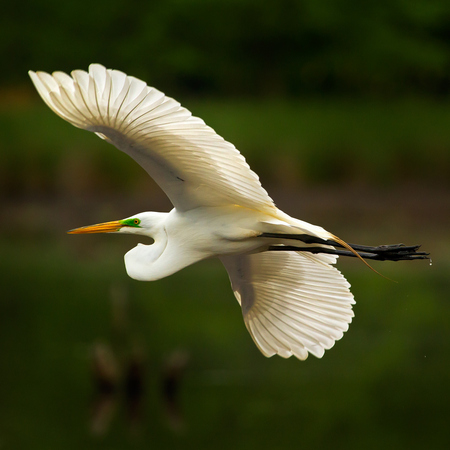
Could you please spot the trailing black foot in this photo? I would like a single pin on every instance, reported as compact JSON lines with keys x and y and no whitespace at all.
{"x":395,"y":252}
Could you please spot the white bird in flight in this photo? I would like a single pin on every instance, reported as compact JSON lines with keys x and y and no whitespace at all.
{"x":294,"y":301}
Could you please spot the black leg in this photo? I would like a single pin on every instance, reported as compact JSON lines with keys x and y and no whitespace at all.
{"x":396,"y":252}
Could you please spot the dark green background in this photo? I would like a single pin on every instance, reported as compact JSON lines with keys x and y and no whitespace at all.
{"x":343,"y":109}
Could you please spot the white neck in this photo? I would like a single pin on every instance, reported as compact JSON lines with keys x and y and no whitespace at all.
{"x":140,"y":260}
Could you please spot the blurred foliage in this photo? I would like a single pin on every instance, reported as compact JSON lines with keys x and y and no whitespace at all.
{"x":382,"y":386}
{"x":340,"y":91}
{"x":328,"y":142}
{"x":238,"y":47}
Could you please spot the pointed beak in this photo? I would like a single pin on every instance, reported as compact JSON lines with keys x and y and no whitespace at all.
{"x":107,"y":227}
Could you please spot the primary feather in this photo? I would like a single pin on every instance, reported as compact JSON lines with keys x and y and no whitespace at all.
{"x":189,"y":160}
{"x":292,"y":303}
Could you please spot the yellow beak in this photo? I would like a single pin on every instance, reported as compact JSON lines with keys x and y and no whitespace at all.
{"x":107,"y":227}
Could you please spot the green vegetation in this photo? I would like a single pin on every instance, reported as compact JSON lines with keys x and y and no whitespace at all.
{"x":239,"y":47}
{"x":342,"y":107}
{"x":376,"y":388}
{"x":323,"y":141}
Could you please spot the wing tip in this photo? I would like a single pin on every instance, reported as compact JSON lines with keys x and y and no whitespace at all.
{"x":310,"y":317}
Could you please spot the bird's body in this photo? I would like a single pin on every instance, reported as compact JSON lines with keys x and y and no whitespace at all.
{"x":188,"y":237}
{"x":294,"y":301}
{"x":184,"y":238}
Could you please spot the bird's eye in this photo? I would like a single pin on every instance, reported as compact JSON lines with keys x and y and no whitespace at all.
{"x":136,"y":221}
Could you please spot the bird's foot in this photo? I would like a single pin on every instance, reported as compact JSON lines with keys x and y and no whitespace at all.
{"x":393,"y":252}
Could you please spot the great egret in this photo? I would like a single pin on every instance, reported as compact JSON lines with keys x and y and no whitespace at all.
{"x":294,"y":301}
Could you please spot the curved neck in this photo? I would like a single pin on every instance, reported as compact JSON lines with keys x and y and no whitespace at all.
{"x":140,"y":260}
{"x":173,"y":249}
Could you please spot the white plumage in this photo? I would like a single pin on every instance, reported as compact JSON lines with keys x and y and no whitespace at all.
{"x":189,"y":160}
{"x":293,"y":302}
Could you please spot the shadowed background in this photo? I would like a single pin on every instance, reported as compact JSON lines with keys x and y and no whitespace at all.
{"x":343,"y":109}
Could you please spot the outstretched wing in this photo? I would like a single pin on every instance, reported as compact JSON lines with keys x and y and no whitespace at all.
{"x":189,"y":160}
{"x":293,"y":303}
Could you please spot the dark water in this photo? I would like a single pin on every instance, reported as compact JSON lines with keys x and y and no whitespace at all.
{"x":93,"y":359}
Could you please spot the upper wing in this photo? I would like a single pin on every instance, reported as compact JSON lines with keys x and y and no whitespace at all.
{"x":292,"y":303}
{"x":189,"y":160}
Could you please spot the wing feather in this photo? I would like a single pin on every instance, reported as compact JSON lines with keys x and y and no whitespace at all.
{"x":189,"y":160}
{"x":293,"y":303}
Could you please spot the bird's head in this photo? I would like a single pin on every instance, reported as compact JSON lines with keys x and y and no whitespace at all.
{"x":146,"y":224}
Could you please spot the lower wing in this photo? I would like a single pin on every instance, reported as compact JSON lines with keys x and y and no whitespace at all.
{"x":293,"y":303}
